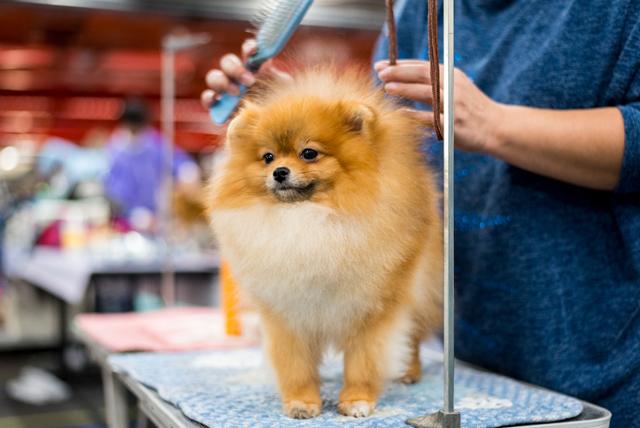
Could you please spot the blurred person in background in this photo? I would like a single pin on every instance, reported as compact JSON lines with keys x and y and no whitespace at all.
{"x":136,"y":167}
{"x":74,"y":170}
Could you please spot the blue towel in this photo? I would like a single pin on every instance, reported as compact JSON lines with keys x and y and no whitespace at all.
{"x":232,"y":389}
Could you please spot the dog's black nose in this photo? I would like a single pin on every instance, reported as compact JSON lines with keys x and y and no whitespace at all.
{"x":280,"y":174}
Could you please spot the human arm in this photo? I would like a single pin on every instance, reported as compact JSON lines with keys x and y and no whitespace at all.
{"x":582,"y":147}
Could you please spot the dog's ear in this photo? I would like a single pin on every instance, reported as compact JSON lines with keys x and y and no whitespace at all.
{"x":241,"y":124}
{"x":358,"y":117}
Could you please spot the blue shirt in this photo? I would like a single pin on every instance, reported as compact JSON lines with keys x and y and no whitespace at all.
{"x":136,"y":169}
{"x":547,"y":273}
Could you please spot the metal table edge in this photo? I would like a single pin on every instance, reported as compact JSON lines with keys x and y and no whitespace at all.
{"x":160,"y":411}
{"x":602,"y":419}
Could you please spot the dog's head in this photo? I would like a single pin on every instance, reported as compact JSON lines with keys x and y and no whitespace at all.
{"x":300,"y":148}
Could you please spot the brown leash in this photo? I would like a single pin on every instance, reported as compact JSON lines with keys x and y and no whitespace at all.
{"x":434,"y":62}
{"x":391,"y":27}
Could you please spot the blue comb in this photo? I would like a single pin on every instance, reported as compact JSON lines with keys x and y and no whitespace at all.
{"x":276,"y":22}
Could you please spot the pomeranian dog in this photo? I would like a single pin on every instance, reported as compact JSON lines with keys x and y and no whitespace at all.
{"x":329,"y":219}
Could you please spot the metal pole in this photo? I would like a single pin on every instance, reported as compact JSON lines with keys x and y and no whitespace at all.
{"x":170,"y":45}
{"x":168,"y":107}
{"x":447,"y":417}
{"x":448,"y":208}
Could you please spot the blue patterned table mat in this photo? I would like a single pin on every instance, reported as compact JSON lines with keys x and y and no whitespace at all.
{"x":232,"y":388}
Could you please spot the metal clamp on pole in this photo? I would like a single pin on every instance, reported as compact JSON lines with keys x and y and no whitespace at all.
{"x":447,"y":417}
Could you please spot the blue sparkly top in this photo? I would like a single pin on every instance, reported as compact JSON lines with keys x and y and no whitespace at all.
{"x":547,"y":273}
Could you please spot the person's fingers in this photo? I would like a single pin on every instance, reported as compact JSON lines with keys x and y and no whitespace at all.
{"x":441,"y":66}
{"x":218,"y":82}
{"x":382,"y":64}
{"x":270,"y":68}
{"x":249,"y":47}
{"x":207,"y":98}
{"x":409,"y":68}
{"x":412,"y":91}
{"x":407,"y":73}
{"x":235,"y":70}
{"x":424,"y":118}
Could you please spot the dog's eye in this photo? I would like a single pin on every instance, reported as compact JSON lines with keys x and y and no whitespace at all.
{"x":309,"y":154}
{"x":268,"y":158}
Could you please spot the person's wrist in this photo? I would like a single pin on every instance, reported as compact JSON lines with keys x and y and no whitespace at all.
{"x":498,"y":128}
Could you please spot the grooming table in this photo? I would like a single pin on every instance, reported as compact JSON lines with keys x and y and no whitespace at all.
{"x":165,"y":330}
{"x":229,"y":389}
{"x":66,"y":274}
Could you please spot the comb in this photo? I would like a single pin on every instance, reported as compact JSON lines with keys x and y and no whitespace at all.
{"x":275,"y":24}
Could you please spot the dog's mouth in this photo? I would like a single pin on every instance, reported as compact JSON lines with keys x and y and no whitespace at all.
{"x":287,"y":192}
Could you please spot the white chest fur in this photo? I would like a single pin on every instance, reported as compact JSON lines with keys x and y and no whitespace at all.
{"x":314,"y":268}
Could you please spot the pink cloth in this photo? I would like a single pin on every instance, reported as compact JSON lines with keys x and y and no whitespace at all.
{"x":172,"y":329}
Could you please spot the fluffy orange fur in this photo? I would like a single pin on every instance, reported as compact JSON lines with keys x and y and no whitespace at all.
{"x":347,"y":250}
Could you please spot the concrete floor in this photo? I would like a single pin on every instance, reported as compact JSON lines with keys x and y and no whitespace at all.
{"x":84,"y":409}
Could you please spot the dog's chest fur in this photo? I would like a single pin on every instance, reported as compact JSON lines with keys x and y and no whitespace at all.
{"x":312,"y":267}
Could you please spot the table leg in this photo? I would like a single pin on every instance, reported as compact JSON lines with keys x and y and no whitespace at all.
{"x":115,"y":397}
{"x":63,"y":337}
{"x":143,"y":420}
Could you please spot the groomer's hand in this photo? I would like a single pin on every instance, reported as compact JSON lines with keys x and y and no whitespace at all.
{"x":534,"y":139}
{"x":232,"y":72}
{"x":476,"y":115}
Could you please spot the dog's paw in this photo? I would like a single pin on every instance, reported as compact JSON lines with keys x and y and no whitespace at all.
{"x":410,"y":378}
{"x":357,"y":408}
{"x":301,"y":410}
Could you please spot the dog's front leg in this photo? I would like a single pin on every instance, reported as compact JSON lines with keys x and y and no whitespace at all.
{"x":363,"y":374}
{"x":295,"y":361}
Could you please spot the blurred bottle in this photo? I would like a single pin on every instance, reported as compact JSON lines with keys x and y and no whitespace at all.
{"x":230,"y":301}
